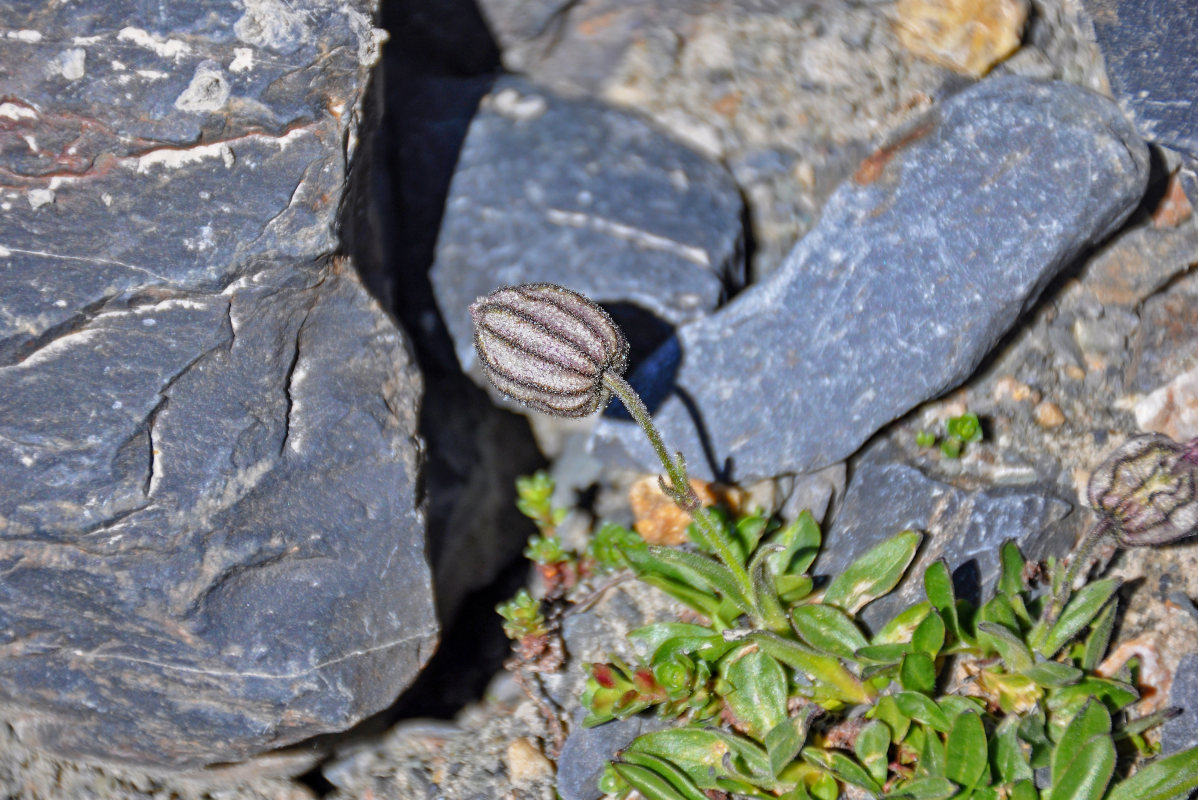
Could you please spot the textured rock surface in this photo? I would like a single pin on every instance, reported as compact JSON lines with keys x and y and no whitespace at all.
{"x":915,"y":270}
{"x":1181,"y":732}
{"x":209,"y":509}
{"x":965,"y":528}
{"x":588,"y":197}
{"x":1149,"y":48}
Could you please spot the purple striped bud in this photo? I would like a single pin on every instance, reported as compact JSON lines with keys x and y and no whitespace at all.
{"x":1147,"y":487}
{"x":548,"y":347}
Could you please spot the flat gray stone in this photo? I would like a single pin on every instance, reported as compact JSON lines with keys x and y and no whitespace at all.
{"x":595,"y":199}
{"x":1181,"y":732}
{"x":917,"y":267}
{"x":211,"y":509}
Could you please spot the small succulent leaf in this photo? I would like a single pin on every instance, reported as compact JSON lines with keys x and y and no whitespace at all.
{"x":1007,"y":753}
{"x":966,"y":752}
{"x":929,"y":788}
{"x":817,"y":667}
{"x":827,"y":628}
{"x":872,"y":749}
{"x":697,"y":599}
{"x":800,"y":540}
{"x":843,"y":767}
{"x":985,"y":793}
{"x":825,"y":787}
{"x":883,"y":653}
{"x":886,"y":710}
{"x":1080,"y":611}
{"x":901,"y":628}
{"x":663,"y":640}
{"x":917,"y":673}
{"x":1087,"y":775}
{"x":1064,"y":703}
{"x":1092,"y":720}
{"x":1170,"y":778}
{"x":793,"y":588}
{"x":748,"y":531}
{"x":999,"y":611}
{"x":1099,"y":637}
{"x":1010,"y":647}
{"x":928,"y":636}
{"x":783,"y":743}
{"x":1010,"y":581}
{"x":699,"y":752}
{"x":938,"y":586}
{"x":759,"y":693}
{"x":1053,"y":674}
{"x":967,"y":427}
{"x":933,"y":758}
{"x":712,"y":573}
{"x":765,"y":593}
{"x":954,"y":705}
{"x":663,"y":781}
{"x":922,"y":708}
{"x":1024,"y":790}
{"x":873,"y":574}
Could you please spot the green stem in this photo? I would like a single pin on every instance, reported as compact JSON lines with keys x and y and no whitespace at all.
{"x":1081,"y":562}
{"x":680,"y":488}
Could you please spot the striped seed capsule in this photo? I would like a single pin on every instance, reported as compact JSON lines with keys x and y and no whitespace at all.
{"x":1147,"y":487}
{"x":548,"y":347}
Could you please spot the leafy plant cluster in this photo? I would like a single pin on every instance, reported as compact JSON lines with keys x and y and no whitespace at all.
{"x":784,"y":695}
{"x":958,"y":432}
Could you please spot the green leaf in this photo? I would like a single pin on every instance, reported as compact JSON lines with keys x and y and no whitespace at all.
{"x":759,"y":693}
{"x":1169,"y":778}
{"x":1007,"y":753}
{"x":1010,"y":647}
{"x":827,"y":628}
{"x":800,"y":541}
{"x":966,"y":752}
{"x":843,"y":767}
{"x":1083,"y":608}
{"x":765,"y":592}
{"x":1093,"y":720}
{"x":1099,"y":637}
{"x":657,"y":779}
{"x":793,"y":588}
{"x":1024,"y":790}
{"x":901,"y":628}
{"x":682,"y":637}
{"x":700,"y":752}
{"x":1053,"y":674}
{"x":938,"y":586}
{"x":872,"y":748}
{"x":1087,"y":775}
{"x":967,"y":427}
{"x":929,"y":634}
{"x":817,"y":667}
{"x":783,"y":743}
{"x":1010,"y":580}
{"x":709,"y":572}
{"x":873,"y":574}
{"x":917,"y":673}
{"x":922,"y":708}
{"x":930,"y":788}
{"x":696,"y":599}
{"x":883,"y":653}
{"x":954,"y":705}
{"x":932,"y":755}
{"x":1115,"y":694}
{"x":887,"y":711}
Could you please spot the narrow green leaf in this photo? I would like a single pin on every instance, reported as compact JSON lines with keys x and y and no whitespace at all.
{"x":917,"y":673}
{"x":1093,"y":720}
{"x":930,"y":788}
{"x":783,"y":743}
{"x":657,"y":779}
{"x":662,"y":640}
{"x":1007,"y":753}
{"x":765,"y":592}
{"x":696,"y":599}
{"x":827,"y":628}
{"x":901,"y":627}
{"x":933,"y":758}
{"x":1009,"y":646}
{"x":793,"y":588}
{"x":1115,"y":694}
{"x":1087,"y":775}
{"x":1083,"y":608}
{"x":713,"y":573}
{"x":872,"y":748}
{"x":966,"y":752}
{"x":816,"y":667}
{"x":1011,"y":578}
{"x":887,"y":710}
{"x":800,"y":541}
{"x":873,"y":574}
{"x":843,"y":767}
{"x":938,"y":586}
{"x":700,"y":752}
{"x":1053,"y":674}
{"x":998,"y":610}
{"x":954,"y":705}
{"x":759,"y":694}
{"x":883,"y":653}
{"x":922,"y":708}
{"x":1099,"y":637}
{"x":928,"y":636}
{"x":1025,"y":790}
{"x":1168,"y":778}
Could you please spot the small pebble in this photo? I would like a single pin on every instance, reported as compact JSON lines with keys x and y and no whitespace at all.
{"x":1049,"y":415}
{"x":526,"y":763}
{"x":969,"y":36}
{"x":1008,"y":387}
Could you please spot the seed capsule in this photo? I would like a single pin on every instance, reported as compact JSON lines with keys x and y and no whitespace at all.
{"x":548,"y":347}
{"x":1147,"y":486}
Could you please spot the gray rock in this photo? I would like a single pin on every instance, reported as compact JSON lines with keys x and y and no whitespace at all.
{"x":1181,"y":732}
{"x":1149,"y":47}
{"x":579,"y":194}
{"x":588,"y":750}
{"x":210,"y":509}
{"x":963,"y":527}
{"x":917,"y":267}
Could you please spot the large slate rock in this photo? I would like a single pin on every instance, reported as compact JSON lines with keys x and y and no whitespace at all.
{"x":580,"y":194}
{"x":210,"y":517}
{"x":1149,"y":48}
{"x":915,"y":270}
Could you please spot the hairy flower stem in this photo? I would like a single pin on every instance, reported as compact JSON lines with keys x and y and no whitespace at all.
{"x":1082,"y":560}
{"x":680,"y":490}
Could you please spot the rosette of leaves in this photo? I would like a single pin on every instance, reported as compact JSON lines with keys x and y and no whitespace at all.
{"x":784,"y":694}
